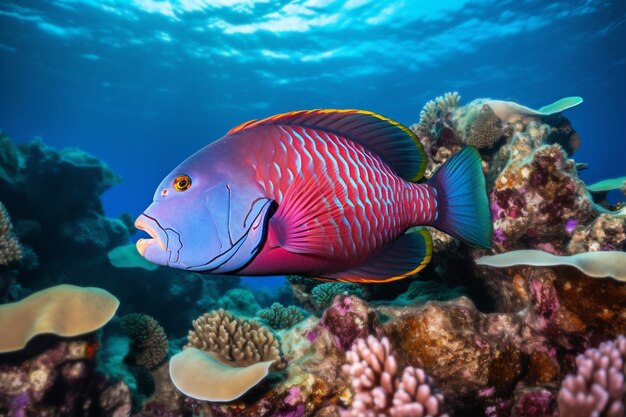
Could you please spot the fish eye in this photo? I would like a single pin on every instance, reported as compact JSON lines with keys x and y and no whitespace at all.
{"x":182,"y":183}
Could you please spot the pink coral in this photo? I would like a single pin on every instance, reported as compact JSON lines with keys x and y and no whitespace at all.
{"x":598,"y":388}
{"x":379,"y":393}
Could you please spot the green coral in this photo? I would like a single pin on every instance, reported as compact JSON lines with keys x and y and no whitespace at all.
{"x":280,"y":317}
{"x":149,"y":344}
{"x":239,"y":300}
{"x":324,"y":294}
{"x":298,"y":279}
{"x":432,"y":290}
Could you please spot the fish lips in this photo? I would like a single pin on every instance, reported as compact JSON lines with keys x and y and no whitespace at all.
{"x":163,"y":246}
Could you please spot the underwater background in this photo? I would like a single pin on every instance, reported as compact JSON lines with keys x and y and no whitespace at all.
{"x":101,"y":99}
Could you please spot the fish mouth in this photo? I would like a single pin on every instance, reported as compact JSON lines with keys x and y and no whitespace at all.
{"x":158,"y":236}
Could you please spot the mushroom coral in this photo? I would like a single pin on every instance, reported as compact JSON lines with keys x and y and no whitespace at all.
{"x":593,"y":264}
{"x":64,"y":310}
{"x":203,"y":376}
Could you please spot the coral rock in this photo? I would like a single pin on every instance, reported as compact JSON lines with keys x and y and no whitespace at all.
{"x":349,"y":319}
{"x":463,"y":350}
{"x":31,"y":380}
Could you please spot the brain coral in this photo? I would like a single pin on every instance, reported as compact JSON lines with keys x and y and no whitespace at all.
{"x":483,"y":129}
{"x":239,"y":341}
{"x":149,"y":344}
{"x":10,"y":249}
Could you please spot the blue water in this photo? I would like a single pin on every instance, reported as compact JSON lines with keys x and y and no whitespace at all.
{"x":142,"y":84}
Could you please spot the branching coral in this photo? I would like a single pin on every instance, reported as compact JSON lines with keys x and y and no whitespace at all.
{"x":10,"y":249}
{"x":238,"y":341}
{"x":280,"y":317}
{"x":379,"y":393}
{"x":599,"y":387}
{"x":148,"y":340}
{"x":324,"y":294}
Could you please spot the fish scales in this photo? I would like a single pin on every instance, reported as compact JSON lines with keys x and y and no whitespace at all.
{"x":325,"y":193}
{"x":377,"y":205}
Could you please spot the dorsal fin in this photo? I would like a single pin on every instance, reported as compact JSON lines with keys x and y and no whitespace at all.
{"x":241,"y":127}
{"x":393,"y":142}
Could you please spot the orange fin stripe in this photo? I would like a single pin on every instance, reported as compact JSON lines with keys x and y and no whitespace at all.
{"x":242,"y":126}
{"x":406,"y":155}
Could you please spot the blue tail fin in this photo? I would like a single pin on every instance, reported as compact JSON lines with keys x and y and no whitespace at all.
{"x":462,"y":199}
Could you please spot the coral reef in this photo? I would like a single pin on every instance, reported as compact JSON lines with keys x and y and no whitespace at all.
{"x":10,"y":252}
{"x":537,"y":199}
{"x":58,"y":377}
{"x":599,"y":386}
{"x":496,"y":341}
{"x":434,"y":112}
{"x":10,"y":249}
{"x":607,"y":232}
{"x":280,"y":317}
{"x":378,"y":391}
{"x":68,"y":242}
{"x":422,"y":291}
{"x":236,"y":340}
{"x":149,"y":343}
{"x":323,"y":295}
{"x":240,"y":301}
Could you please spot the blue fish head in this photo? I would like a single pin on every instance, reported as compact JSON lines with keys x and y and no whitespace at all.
{"x":205,"y":217}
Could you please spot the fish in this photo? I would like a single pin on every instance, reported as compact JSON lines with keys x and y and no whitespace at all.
{"x":332,"y":194}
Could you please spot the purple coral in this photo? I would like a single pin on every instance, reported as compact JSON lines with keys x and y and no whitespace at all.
{"x":598,"y":388}
{"x":379,"y":393}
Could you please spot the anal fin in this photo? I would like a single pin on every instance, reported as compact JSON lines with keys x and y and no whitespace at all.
{"x":405,"y":256}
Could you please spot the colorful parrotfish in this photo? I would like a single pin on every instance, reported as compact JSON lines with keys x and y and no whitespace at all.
{"x":329,"y":194}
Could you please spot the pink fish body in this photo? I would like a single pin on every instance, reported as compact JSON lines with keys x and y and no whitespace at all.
{"x":332,"y":194}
